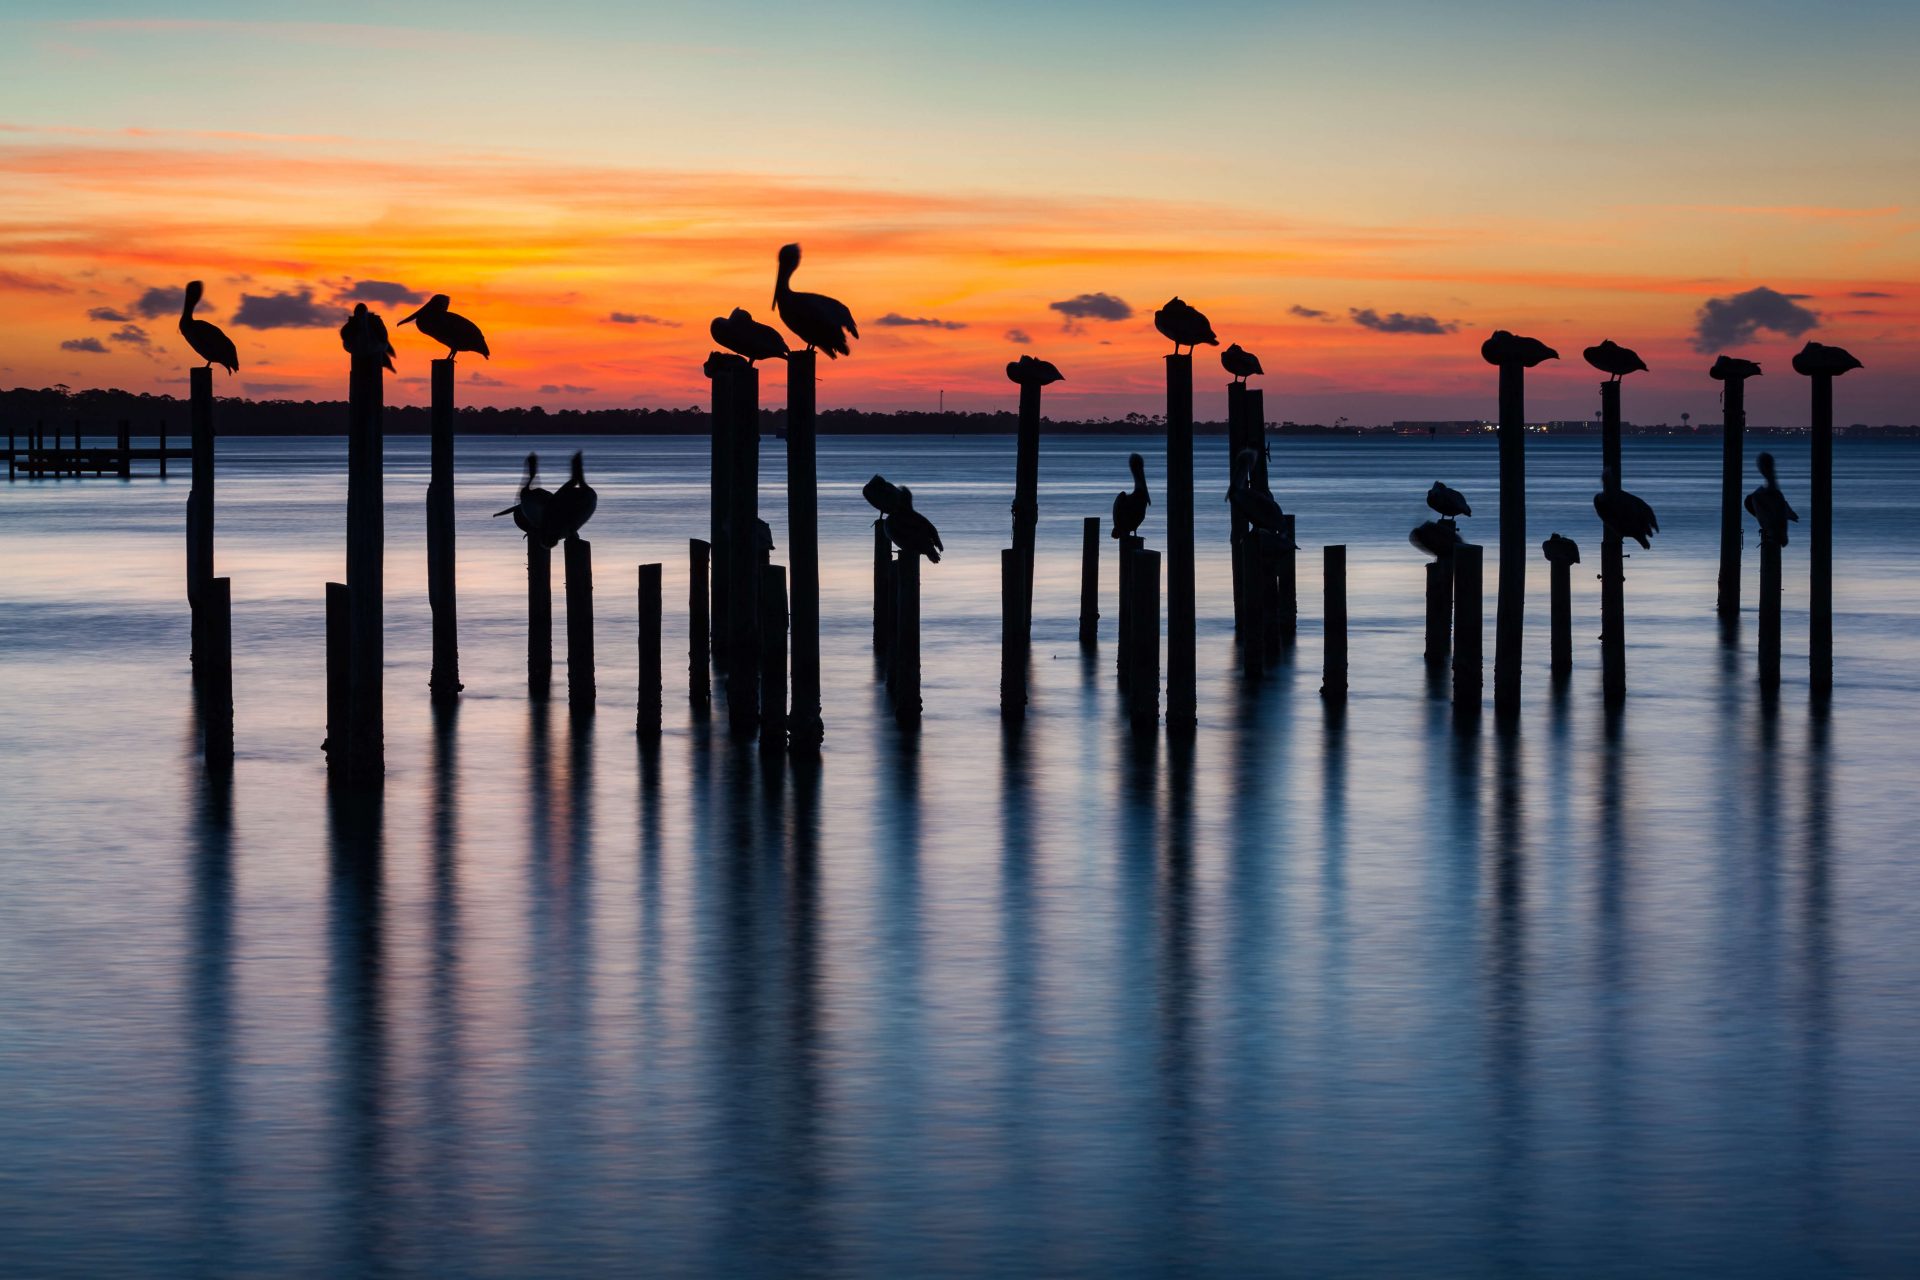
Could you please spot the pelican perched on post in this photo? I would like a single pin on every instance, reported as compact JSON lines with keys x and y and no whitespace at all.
{"x":366,"y":331}
{"x":1560,"y":549}
{"x":1250,"y":502}
{"x":1769,"y":506}
{"x":1437,"y":538}
{"x":912,"y":532}
{"x":1733,"y":369}
{"x":454,"y":332}
{"x":1029,"y":371}
{"x":529,"y":510}
{"x":816,"y":319}
{"x":1240,"y":362}
{"x":1818,"y":358}
{"x":572,"y":505}
{"x":204,"y":336}
{"x":1610,"y":357}
{"x":1448,"y":502}
{"x":1505,"y":348}
{"x":1185,"y":325}
{"x":1130,"y":508}
{"x":884,"y":496}
{"x":1622,"y":512}
{"x":740,"y":332}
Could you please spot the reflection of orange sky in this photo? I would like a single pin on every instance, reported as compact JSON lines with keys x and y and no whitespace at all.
{"x":542,"y":254}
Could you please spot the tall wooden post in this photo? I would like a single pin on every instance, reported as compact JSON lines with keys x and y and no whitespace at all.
{"x":1143,"y":649}
{"x":1769,"y":613}
{"x":539,"y":618}
{"x":725,"y":387}
{"x":366,"y":545}
{"x":646,"y":716}
{"x":699,"y":685}
{"x":1130,"y":546}
{"x":200,"y":495}
{"x":882,"y":588}
{"x":1333,"y":681}
{"x":1733,"y":429}
{"x":580,"y":661}
{"x":216,"y":674}
{"x":1469,"y":623}
{"x":1820,"y":542}
{"x":773,"y":657}
{"x":339,"y":675}
{"x":1013,"y":655}
{"x":1090,"y":582}
{"x":1182,"y":690}
{"x":1026,"y":508}
{"x":444,"y":683}
{"x":903,"y":673}
{"x":1613,"y":609}
{"x":804,"y":730}
{"x":126,"y":449}
{"x":1237,"y":437}
{"x":1439,"y":610}
{"x":1285,"y":610}
{"x":1511,"y":609}
{"x":743,"y":582}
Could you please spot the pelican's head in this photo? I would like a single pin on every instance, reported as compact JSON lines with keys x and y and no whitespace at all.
{"x":789,"y":263}
{"x":438,"y":302}
{"x":192,"y":299}
{"x":906,"y":494}
{"x":1766,"y":467}
{"x":740,"y":316}
{"x":579,"y":467}
{"x":1137,"y":465}
{"x":533,"y":466}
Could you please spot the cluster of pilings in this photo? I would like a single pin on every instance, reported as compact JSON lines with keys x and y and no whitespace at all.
{"x":44,"y":457}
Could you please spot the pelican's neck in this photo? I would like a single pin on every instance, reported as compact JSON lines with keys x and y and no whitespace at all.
{"x":781,"y":286}
{"x":1139,"y":468}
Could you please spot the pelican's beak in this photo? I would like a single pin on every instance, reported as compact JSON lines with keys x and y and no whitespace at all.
{"x":409,"y":319}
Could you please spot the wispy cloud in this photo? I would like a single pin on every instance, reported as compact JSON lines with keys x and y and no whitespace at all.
{"x":292,"y":310}
{"x":92,"y":346}
{"x":1020,"y":337}
{"x":131,"y":335}
{"x":1732,"y":321}
{"x":564,"y":389}
{"x":479,"y":379}
{"x":109,"y":315}
{"x":1092,"y":306}
{"x":1308,"y":313}
{"x":1399,"y":322}
{"x":894,"y":320}
{"x":387,"y":293}
{"x":162,"y":300}
{"x":641,"y":317}
{"x":17,"y":282}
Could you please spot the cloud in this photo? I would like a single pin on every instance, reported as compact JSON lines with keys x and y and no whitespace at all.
{"x":564,"y":389}
{"x":1730,"y":322}
{"x":1398,"y":322}
{"x":92,"y":346}
{"x":14,"y":282}
{"x":894,"y":320}
{"x":479,"y":379}
{"x":283,"y":311}
{"x":1020,"y":336}
{"x":112,"y":315}
{"x":1869,"y":293}
{"x":155,"y":303}
{"x":640,"y":317}
{"x":1307,"y":313}
{"x":385,"y":292}
{"x":1092,"y":306}
{"x":131,"y":335}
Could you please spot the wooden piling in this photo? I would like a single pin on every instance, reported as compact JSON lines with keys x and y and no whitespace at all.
{"x":1769,"y":613}
{"x":646,"y":716}
{"x":216,"y":674}
{"x":773,"y":658}
{"x":1469,"y":623}
{"x":200,"y":495}
{"x":726,"y":386}
{"x":1285,"y":609}
{"x":1090,"y":582}
{"x":1130,"y":546}
{"x":903,"y":673}
{"x":699,"y":681}
{"x":804,"y":729}
{"x":161,"y":429}
{"x":1561,"y":638}
{"x":539,"y":618}
{"x":339,"y":673}
{"x":1236,"y":525}
{"x":1026,"y":508}
{"x":1613,"y":563}
{"x":125,"y":445}
{"x":1181,"y":671}
{"x":1143,"y":649}
{"x":1820,"y":542}
{"x":580,"y":677}
{"x":1333,"y":680}
{"x":366,"y":543}
{"x":882,"y":588}
{"x":1733,"y":428}
{"x":1013,"y":652}
{"x":444,"y":681}
{"x":1439,"y":610}
{"x":743,"y":584}
{"x":1511,"y":606}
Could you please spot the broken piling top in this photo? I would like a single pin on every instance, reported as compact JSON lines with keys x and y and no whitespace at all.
{"x":1028,"y":371}
{"x":722,"y":364}
{"x":1510,"y":350}
{"x":1816,"y":359}
{"x":1612,"y":358}
{"x":1560,"y":550}
{"x":1733,"y":369}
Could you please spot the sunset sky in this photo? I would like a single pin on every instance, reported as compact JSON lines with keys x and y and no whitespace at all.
{"x":1356,"y":192}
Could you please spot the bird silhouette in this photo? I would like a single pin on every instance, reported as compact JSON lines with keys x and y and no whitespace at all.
{"x":1611,"y":357}
{"x":572,"y":505}
{"x":719,"y":362}
{"x":818,"y":321}
{"x":912,"y":532}
{"x":740,"y":332}
{"x":1251,"y":502}
{"x":1031,"y":372}
{"x":1560,"y":550}
{"x":1448,"y":502}
{"x":1817,"y":358}
{"x":1622,"y":512}
{"x":1504,"y":348}
{"x":884,"y":496}
{"x":1130,"y":508}
{"x":1733,"y":369}
{"x":1184,"y":325}
{"x":366,"y":331}
{"x":453,"y":331}
{"x":204,"y":336}
{"x":1239,"y":362}
{"x":529,"y":510}
{"x":1437,"y":538}
{"x":1769,"y":506}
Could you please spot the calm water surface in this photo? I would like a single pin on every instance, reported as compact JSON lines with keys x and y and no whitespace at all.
{"x":1310,"y":995}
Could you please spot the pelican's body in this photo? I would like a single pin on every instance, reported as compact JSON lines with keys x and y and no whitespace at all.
{"x":721,"y":362}
{"x":366,"y":331}
{"x":1448,"y":502}
{"x":912,"y":532}
{"x":1240,"y":362}
{"x":1130,"y":507}
{"x":454,"y":332}
{"x":1437,"y":538}
{"x":572,"y":505}
{"x":884,"y":496}
{"x":741,"y":333}
{"x":1560,"y":550}
{"x":1818,"y":359}
{"x":1770,"y":507}
{"x":205,"y":337}
{"x":1250,"y":502}
{"x":1505,"y":348}
{"x":529,"y":510}
{"x":1622,"y":512}
{"x":819,"y":321}
{"x":1612,"y":358}
{"x":1186,"y":326}
{"x":1028,"y":371}
{"x":1733,"y":369}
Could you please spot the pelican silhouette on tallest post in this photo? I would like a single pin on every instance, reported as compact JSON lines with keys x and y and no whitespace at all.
{"x":1187,"y":326}
{"x":454,"y":332}
{"x":365,"y":331}
{"x":819,"y":321}
{"x":205,"y":337}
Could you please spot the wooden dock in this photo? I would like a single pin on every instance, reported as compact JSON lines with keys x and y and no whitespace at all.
{"x":42,"y":457}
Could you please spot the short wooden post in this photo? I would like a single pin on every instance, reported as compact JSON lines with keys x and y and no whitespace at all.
{"x":339,"y":674}
{"x":12,"y":449}
{"x":646,"y":718}
{"x":1733,"y":428}
{"x":444,"y":681}
{"x":1769,"y":613}
{"x":579,"y":569}
{"x":773,"y":658}
{"x":1511,"y":607}
{"x":882,"y":588}
{"x":1130,"y":546}
{"x":1236,"y":525}
{"x":1439,"y":610}
{"x":1090,"y":582}
{"x":1613,"y":561}
{"x":903,"y":673}
{"x":1820,"y":541}
{"x":125,"y":446}
{"x":699,"y":664}
{"x":1286,"y":607}
{"x":200,"y":496}
{"x":1182,"y":690}
{"x":804,"y":729}
{"x":161,"y":430}
{"x":539,"y":618}
{"x":366,"y":545}
{"x":743,"y":583}
{"x":1333,"y":680}
{"x":1013,"y":656}
{"x":1469,"y":623}
{"x":1143,"y":682}
{"x":726,"y":387}
{"x":1561,"y":639}
{"x":216,"y":676}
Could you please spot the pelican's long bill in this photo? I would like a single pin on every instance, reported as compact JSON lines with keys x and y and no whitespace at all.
{"x":417,"y":311}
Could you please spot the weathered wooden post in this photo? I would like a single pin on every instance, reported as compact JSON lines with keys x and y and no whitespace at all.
{"x":699,"y":681}
{"x":1143,"y":649}
{"x":339,"y":674}
{"x":1030,"y":375}
{"x":882,"y":588}
{"x":773,"y":658}
{"x":903,"y":672}
{"x":1513,"y":356}
{"x":444,"y":682}
{"x":1439,"y":609}
{"x":721,"y":370}
{"x":161,"y":429}
{"x":539,"y":618}
{"x":366,"y":545}
{"x":646,"y":718}
{"x":1822,"y":364}
{"x":1611,"y":358}
{"x":1732,"y":374}
{"x":1090,"y":582}
{"x":216,"y":674}
{"x":1333,"y":680}
{"x":12,"y":449}
{"x":1182,"y":691}
{"x":1284,"y":628}
{"x":1013,"y":656}
{"x":804,"y":729}
{"x":1562,"y":554}
{"x":1469,"y":625}
{"x":1236,"y":524}
{"x":125,"y":446}
{"x":1769,"y":613}
{"x":200,"y":495}
{"x":1130,"y":546}
{"x":743,"y":584}
{"x":579,"y":569}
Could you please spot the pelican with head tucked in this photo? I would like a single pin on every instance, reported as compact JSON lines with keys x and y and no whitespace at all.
{"x":818,"y":321}
{"x":1437,"y":538}
{"x":1612,"y":358}
{"x":1185,"y":325}
{"x":1447,"y":501}
{"x":1130,"y":508}
{"x":1240,"y":362}
{"x":454,"y":332}
{"x":912,"y":532}
{"x":1560,"y":549}
{"x":740,"y":332}
{"x":1250,"y":501}
{"x":1627,"y":515}
{"x":1030,"y":371}
{"x":1504,"y":349}
{"x":366,"y":331}
{"x":204,"y":336}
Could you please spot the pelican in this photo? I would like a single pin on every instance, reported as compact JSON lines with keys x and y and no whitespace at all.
{"x":1817,"y":358}
{"x":742,"y":333}
{"x":816,"y":319}
{"x":1186,"y":326}
{"x":912,"y":532}
{"x":1504,"y":348}
{"x":572,"y":505}
{"x":1269,"y":543}
{"x":204,"y":336}
{"x":1620,"y":511}
{"x":1029,"y":372}
{"x":529,"y":512}
{"x":1239,"y":362}
{"x":719,"y":362}
{"x":1253,"y":504}
{"x":1733,"y":369}
{"x":366,"y":331}
{"x":1769,"y":506}
{"x":1437,"y":538}
{"x":1129,"y":509}
{"x":885,"y":497}
{"x":1448,"y":502}
{"x":454,"y":332}
{"x":1611,"y":357}
{"x":1559,"y":550}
